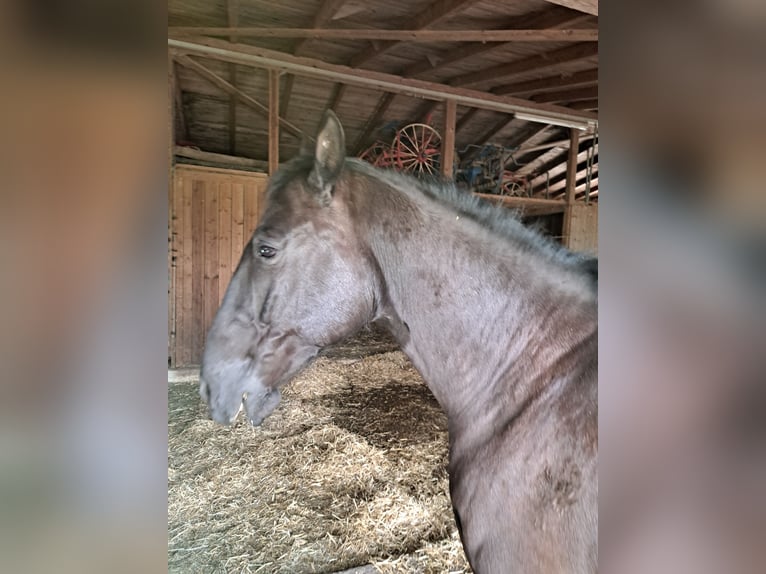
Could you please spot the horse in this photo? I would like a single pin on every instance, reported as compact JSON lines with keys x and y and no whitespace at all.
{"x":500,"y":322}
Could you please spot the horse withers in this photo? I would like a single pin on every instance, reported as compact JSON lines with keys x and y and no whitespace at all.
{"x":500,"y":322}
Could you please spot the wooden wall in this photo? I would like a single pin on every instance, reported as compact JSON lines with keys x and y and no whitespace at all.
{"x":214,"y":212}
{"x":581,"y":227}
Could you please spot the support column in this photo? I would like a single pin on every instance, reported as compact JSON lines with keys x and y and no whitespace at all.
{"x":574,"y":144}
{"x":448,"y":139}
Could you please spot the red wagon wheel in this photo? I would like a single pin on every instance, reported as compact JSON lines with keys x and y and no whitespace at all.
{"x":417,"y":150}
{"x":373,"y":153}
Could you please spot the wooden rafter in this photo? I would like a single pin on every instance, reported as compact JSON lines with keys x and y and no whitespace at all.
{"x":326,"y":11}
{"x":372,"y":122}
{"x":339,"y":90}
{"x":433,"y":14}
{"x":232,"y":15}
{"x":549,"y":18}
{"x":559,"y":182}
{"x":538,"y":62}
{"x":494,"y":130}
{"x":551,"y":82}
{"x":465,"y":118}
{"x":219,"y":82}
{"x":525,"y":134}
{"x":181,"y":129}
{"x":556,"y":164}
{"x":395,"y":36}
{"x":587,"y":6}
{"x":544,"y":161}
{"x":584,"y":105}
{"x":572,"y":95}
{"x":261,"y":57}
{"x":428,"y":17}
{"x":549,"y":145}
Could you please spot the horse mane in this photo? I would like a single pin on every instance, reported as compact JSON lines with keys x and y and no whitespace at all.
{"x":500,"y":220}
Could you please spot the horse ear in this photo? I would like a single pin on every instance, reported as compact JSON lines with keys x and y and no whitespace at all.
{"x":329,"y":155}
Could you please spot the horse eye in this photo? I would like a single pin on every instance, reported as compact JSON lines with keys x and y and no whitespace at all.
{"x":266,"y":251}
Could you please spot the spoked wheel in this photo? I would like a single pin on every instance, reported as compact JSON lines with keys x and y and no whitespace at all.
{"x":512,"y":186}
{"x":417,"y":150}
{"x":373,"y":153}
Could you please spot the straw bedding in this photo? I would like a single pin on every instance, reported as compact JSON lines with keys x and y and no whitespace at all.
{"x":350,"y":470}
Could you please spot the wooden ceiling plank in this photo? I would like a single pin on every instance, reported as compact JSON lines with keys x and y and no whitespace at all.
{"x":393,"y":37}
{"x":542,"y":61}
{"x":584,"y":105}
{"x":261,"y":57}
{"x":384,"y":102}
{"x":222,"y":84}
{"x":572,"y":95}
{"x":327,"y":10}
{"x":428,"y":17}
{"x":337,"y":95}
{"x":587,"y":6}
{"x":556,"y":165}
{"x":551,"y":82}
{"x":544,"y":19}
{"x":560,"y":182}
{"x":486,"y":136}
{"x":465,"y":118}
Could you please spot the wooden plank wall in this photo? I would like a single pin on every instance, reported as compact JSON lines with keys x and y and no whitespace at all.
{"x":581,"y":227}
{"x":214,"y":213}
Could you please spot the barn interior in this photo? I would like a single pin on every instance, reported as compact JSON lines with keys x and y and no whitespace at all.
{"x":500,"y":97}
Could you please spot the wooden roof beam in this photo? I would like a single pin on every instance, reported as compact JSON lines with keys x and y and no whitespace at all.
{"x":219,"y":82}
{"x":261,"y":57}
{"x":573,"y":95}
{"x":559,"y":182}
{"x":549,"y":18}
{"x":543,"y":61}
{"x":326,"y":11}
{"x":395,"y":36}
{"x":556,"y":166}
{"x":551,"y":82}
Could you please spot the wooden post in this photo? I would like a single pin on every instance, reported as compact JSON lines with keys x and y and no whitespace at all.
{"x":574,"y":144}
{"x":171,"y":240}
{"x":273,"y":121}
{"x":448,"y":141}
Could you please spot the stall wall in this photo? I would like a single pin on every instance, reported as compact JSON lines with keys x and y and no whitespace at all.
{"x":214,"y":212}
{"x":581,"y":227}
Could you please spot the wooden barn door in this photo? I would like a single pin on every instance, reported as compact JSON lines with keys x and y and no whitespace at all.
{"x":214,"y":213}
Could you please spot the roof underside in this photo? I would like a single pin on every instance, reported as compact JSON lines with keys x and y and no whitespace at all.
{"x":563,"y":73}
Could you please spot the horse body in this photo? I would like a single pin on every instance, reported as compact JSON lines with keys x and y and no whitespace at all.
{"x":507,"y":342}
{"x":500,"y":324}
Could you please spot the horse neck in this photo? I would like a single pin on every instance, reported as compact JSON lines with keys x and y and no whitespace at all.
{"x":487,"y":323}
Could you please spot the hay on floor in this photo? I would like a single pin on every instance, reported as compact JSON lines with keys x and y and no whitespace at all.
{"x":350,"y":470}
